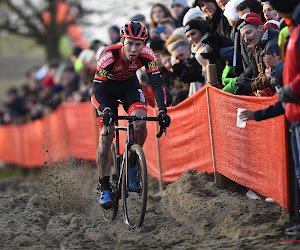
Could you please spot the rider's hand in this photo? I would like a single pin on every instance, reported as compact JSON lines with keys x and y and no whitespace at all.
{"x":107,"y":115}
{"x":164,"y":119}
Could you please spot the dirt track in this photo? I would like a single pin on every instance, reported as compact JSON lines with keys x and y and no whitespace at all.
{"x":59,"y":210}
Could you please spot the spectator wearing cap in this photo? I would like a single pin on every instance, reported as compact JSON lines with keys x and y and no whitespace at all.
{"x":275,"y":25}
{"x":114,"y":34}
{"x":217,"y":21}
{"x":244,"y":7}
{"x":262,"y":43}
{"x":178,"y":9}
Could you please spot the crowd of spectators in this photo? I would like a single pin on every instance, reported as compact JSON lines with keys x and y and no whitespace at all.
{"x":185,"y":40}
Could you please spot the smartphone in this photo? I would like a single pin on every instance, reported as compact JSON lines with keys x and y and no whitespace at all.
{"x":160,"y":29}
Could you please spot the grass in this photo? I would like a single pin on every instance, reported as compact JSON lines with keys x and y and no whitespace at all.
{"x":13,"y":45}
{"x":10,"y":172}
{"x":17,"y":55}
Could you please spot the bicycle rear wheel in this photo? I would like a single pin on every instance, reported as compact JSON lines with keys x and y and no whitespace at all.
{"x":111,"y":214}
{"x":135,"y":195}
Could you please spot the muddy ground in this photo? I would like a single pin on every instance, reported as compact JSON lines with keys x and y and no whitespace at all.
{"x":58,"y":209}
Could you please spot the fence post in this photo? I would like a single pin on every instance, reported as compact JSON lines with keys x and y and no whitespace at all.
{"x":158,"y":153}
{"x":219,"y":178}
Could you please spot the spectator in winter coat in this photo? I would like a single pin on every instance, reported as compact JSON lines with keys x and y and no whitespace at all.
{"x":262,"y":43}
{"x":217,"y":21}
{"x":290,"y":92}
{"x":178,"y":9}
{"x":197,"y":31}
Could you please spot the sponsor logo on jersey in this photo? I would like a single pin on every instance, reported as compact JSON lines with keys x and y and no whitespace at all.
{"x":102,"y":73}
{"x":108,"y":62}
{"x":148,"y":51}
{"x":133,"y":66}
{"x":119,"y":67}
{"x":105,"y":60}
{"x":152,"y":65}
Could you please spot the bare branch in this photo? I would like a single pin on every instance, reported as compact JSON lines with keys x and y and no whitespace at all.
{"x":26,"y":19}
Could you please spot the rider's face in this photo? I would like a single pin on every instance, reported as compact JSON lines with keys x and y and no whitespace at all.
{"x":132,"y":48}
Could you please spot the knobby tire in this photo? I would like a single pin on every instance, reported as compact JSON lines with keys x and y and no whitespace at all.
{"x":135,"y":202}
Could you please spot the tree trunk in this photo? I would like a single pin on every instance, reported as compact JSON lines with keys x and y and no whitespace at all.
{"x":52,"y":45}
{"x":52,"y":33}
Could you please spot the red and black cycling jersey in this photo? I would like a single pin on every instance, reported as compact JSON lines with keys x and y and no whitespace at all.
{"x":112,"y":68}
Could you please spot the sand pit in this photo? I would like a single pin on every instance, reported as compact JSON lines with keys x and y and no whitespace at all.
{"x":58,"y":210}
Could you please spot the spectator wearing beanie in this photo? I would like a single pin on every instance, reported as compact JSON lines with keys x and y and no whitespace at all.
{"x":197,"y":31}
{"x":193,"y":13}
{"x":178,"y":9}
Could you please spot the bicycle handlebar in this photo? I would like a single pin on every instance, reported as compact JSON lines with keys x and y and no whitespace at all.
{"x":137,"y":118}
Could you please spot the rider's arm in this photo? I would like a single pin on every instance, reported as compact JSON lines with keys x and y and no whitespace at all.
{"x":148,"y":59}
{"x":155,"y":81}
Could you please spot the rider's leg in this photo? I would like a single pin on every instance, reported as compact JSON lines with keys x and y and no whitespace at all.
{"x":104,"y":157}
{"x":140,"y":128}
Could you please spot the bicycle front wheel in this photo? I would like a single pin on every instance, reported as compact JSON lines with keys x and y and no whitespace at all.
{"x":135,"y":187}
{"x":111,"y":213}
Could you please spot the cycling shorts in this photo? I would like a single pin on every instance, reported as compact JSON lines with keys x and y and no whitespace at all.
{"x":111,"y":92}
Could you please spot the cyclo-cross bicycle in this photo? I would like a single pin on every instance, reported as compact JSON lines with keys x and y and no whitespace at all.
{"x":129,"y":179}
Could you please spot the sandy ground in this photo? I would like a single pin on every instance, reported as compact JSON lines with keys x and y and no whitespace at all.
{"x":58,"y":209}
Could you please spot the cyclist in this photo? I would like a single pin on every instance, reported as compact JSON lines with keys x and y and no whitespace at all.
{"x":116,"y":79}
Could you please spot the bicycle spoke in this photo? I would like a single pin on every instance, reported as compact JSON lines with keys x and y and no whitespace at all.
{"x":135,"y":195}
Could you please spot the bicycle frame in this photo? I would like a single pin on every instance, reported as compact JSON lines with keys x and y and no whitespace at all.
{"x":129,"y":140}
{"x":119,"y":179}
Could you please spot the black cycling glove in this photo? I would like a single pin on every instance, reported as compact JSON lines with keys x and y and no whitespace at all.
{"x":107,"y":115}
{"x":164,"y":119}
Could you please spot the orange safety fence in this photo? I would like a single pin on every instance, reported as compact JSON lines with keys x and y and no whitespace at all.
{"x":255,"y":156}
